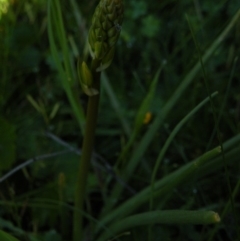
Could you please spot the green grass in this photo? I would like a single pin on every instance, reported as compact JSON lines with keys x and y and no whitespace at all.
{"x":147,"y":181}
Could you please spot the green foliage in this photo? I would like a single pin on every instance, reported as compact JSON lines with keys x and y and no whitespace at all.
{"x":37,"y":56}
{"x":4,"y":224}
{"x":65,"y":67}
{"x":7,"y":145}
{"x":7,"y":237}
{"x":150,"y":26}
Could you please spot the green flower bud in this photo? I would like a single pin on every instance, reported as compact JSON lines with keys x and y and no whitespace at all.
{"x":107,"y":60}
{"x":105,"y":30}
{"x":86,"y":80}
{"x":85,"y":74}
{"x":100,"y":49}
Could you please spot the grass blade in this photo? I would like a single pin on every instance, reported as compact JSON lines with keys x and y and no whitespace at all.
{"x":147,"y":138}
{"x":65,"y":69}
{"x":161,"y":217}
{"x":170,"y":139}
{"x":161,"y":187}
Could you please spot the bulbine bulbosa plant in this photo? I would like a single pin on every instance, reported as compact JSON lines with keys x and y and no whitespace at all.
{"x":158,"y":174}
{"x":114,"y":221}
{"x":102,"y":38}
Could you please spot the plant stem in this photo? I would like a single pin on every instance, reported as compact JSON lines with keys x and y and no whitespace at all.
{"x":91,"y":120}
{"x":161,"y":217}
{"x":161,"y":187}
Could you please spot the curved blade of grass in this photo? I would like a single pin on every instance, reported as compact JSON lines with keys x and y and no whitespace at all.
{"x":65,"y":70}
{"x":147,"y":138}
{"x":170,"y":139}
{"x":161,"y":187}
{"x":216,"y":164}
{"x":175,"y":97}
{"x":161,"y":217}
{"x":207,"y":163}
{"x":144,"y":107}
{"x":115,"y":104}
{"x":227,"y":175}
{"x":223,"y":105}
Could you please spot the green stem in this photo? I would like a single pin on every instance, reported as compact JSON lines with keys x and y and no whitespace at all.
{"x":160,"y":217}
{"x":161,"y":187}
{"x":149,"y":135}
{"x":91,"y":120}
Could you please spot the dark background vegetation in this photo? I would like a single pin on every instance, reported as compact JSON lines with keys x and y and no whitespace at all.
{"x":153,"y":32}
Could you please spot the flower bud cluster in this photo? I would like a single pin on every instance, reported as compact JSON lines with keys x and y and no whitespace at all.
{"x":102,"y":38}
{"x":105,"y":30}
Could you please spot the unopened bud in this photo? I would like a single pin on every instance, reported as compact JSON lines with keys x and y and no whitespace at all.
{"x":86,"y":80}
{"x":105,"y":30}
{"x":85,"y":74}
